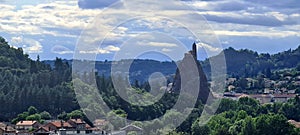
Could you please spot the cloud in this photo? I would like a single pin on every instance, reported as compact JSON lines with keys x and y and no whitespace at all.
{"x":92,"y":4}
{"x":274,"y":34}
{"x":112,"y":48}
{"x":287,"y":4}
{"x":274,"y":19}
{"x":229,"y":18}
{"x":61,"y":50}
{"x":248,"y":12}
{"x":56,"y":19}
{"x":32,"y":46}
{"x":105,"y":50}
{"x":16,"y":40}
{"x":159,"y":44}
{"x":29,"y":45}
{"x":225,"y":5}
{"x":209,"y":48}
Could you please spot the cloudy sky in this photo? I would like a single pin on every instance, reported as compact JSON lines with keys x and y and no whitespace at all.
{"x":62,"y":28}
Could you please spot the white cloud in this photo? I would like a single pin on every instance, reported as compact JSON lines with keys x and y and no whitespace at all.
{"x":29,"y":45}
{"x":61,"y":15}
{"x":98,"y":51}
{"x":160,"y":44}
{"x":61,"y":50}
{"x":16,"y":40}
{"x":32,"y":46}
{"x":112,"y":48}
{"x":209,"y":48}
{"x":105,"y":50}
{"x":270,"y":33}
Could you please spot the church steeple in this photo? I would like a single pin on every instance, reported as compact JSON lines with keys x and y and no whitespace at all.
{"x":194,"y":50}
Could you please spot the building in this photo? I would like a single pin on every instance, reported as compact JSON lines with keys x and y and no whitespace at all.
{"x":80,"y":126}
{"x":56,"y":125}
{"x":27,"y":125}
{"x":70,"y":127}
{"x":6,"y":130}
{"x":262,"y":98}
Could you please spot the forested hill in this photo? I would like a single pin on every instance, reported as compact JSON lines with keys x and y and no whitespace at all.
{"x":25,"y":82}
{"x":243,"y":63}
{"x":47,"y":84}
{"x":247,"y":63}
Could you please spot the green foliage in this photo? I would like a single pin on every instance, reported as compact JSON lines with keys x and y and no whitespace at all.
{"x":246,"y":63}
{"x":198,"y":129}
{"x":227,"y":105}
{"x":249,"y":105}
{"x":30,"y":114}
{"x":36,"y":117}
{"x":45,"y":115}
{"x":32,"y":110}
{"x":77,"y":114}
{"x":117,"y":118}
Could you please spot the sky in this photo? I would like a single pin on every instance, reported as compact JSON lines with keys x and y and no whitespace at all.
{"x":116,"y":29}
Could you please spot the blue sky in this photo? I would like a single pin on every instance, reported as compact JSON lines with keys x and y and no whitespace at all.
{"x":58,"y":28}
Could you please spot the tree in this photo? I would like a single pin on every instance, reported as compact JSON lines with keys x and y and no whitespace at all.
{"x":198,"y":129}
{"x":249,"y":105}
{"x":248,"y":127}
{"x":36,"y":117}
{"x":227,"y":105}
{"x":32,"y":110}
{"x":45,"y":115}
{"x":63,"y":116}
{"x":268,"y":73}
{"x":77,"y":114}
{"x":272,"y":124}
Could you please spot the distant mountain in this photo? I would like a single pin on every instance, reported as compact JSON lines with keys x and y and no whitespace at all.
{"x":242,"y":62}
{"x":139,"y":70}
{"x":248,"y":63}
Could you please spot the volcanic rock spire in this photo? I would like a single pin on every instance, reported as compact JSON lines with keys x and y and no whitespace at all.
{"x":190,"y":76}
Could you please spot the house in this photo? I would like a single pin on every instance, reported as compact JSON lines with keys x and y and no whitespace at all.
{"x":56,"y":125}
{"x":42,"y":131}
{"x":70,"y":127}
{"x":78,"y":123}
{"x":80,"y":126}
{"x":6,"y":130}
{"x":283,"y":97}
{"x":269,"y":98}
{"x":27,"y":125}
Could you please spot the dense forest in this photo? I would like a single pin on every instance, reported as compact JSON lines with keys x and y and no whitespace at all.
{"x":37,"y":90}
{"x":247,"y":63}
{"x":25,"y":82}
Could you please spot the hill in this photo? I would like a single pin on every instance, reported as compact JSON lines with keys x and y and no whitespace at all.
{"x":25,"y":82}
{"x":247,"y":63}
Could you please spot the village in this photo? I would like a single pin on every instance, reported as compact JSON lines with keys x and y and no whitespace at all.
{"x":278,"y":87}
{"x":60,"y":127}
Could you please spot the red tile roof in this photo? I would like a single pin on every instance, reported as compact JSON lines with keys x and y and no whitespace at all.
{"x":58,"y":124}
{"x":77,"y":121}
{"x":26,"y":123}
